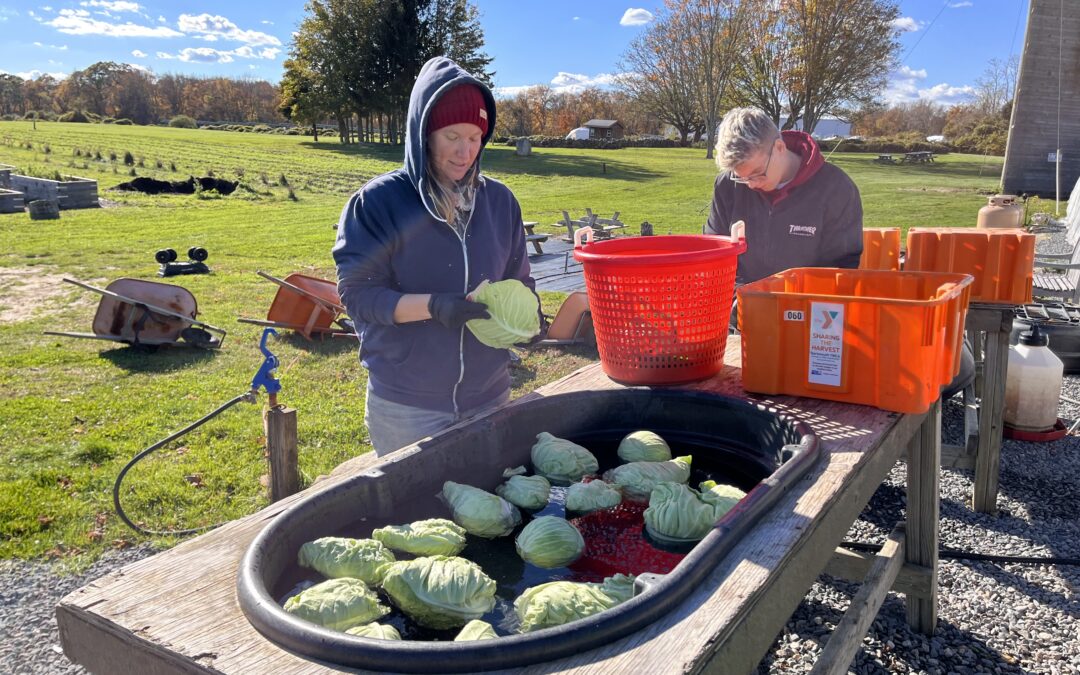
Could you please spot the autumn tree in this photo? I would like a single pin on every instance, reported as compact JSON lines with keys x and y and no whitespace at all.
{"x":764,"y":73}
{"x":12,"y":100}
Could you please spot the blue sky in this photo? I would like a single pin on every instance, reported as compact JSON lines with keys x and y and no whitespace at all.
{"x":946,"y":44}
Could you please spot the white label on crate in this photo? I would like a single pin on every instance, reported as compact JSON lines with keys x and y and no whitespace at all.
{"x":794,"y":315}
{"x":826,"y":343}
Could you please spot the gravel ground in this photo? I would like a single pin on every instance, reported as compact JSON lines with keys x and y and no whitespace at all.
{"x":993,"y":618}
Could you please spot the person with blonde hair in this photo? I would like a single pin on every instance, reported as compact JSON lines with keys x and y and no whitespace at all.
{"x":411,"y":245}
{"x":799,"y":210}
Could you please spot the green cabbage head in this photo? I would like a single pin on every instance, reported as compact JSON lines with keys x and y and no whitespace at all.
{"x":480,"y":512}
{"x":527,"y":492}
{"x":336,"y":557}
{"x":549,"y":542}
{"x":592,"y":496}
{"x":637,"y":479}
{"x":440,"y":592}
{"x":561,"y":461}
{"x":338,"y":604}
{"x":434,"y":536}
{"x":476,"y":630}
{"x":722,"y":496}
{"x":559,"y":602}
{"x":644,"y":446}
{"x":679,"y":514}
{"x":378,"y":631}
{"x":514,"y":310}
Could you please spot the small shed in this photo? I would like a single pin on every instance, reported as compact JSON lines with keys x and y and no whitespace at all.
{"x":605,"y":129}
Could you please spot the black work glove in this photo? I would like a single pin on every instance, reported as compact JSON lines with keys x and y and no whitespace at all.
{"x":453,"y":310}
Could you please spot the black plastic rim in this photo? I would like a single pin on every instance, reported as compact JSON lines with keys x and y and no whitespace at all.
{"x":661,"y":593}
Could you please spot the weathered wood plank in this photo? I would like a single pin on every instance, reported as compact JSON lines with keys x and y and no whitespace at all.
{"x":923,"y":479}
{"x":281,"y":448}
{"x":991,"y":424}
{"x":855,"y":565}
{"x":847,"y":637}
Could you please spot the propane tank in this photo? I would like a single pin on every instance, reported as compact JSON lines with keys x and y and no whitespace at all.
{"x":1033,"y":383}
{"x":1001,"y":211}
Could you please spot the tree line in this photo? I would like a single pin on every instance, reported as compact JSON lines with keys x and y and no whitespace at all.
{"x":118,"y":90}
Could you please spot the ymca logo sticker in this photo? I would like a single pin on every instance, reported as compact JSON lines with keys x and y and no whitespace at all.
{"x":826,"y":362}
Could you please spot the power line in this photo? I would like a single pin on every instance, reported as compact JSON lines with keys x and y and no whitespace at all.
{"x":928,"y":27}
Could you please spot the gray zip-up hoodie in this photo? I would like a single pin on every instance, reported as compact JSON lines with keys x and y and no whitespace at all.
{"x":391,"y":241}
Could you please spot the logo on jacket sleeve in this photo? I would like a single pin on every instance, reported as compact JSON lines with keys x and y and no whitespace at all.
{"x":802,"y":230}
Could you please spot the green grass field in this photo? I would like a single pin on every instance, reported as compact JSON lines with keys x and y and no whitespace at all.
{"x":72,"y":412}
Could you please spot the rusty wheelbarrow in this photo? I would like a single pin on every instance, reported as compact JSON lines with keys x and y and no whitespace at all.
{"x":139,"y":312}
{"x":308,"y":305}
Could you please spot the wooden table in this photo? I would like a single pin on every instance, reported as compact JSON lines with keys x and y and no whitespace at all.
{"x":533,"y":238}
{"x":177,"y":612}
{"x":919,"y":156}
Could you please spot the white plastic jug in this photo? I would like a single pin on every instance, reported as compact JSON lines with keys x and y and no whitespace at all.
{"x":1033,"y":384}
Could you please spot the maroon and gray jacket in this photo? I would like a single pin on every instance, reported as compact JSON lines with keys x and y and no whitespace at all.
{"x":813,"y":221}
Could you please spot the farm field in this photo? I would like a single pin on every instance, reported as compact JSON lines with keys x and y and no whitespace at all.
{"x":72,"y":412}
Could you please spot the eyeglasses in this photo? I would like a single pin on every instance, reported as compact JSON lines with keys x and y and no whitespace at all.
{"x":757,"y":176}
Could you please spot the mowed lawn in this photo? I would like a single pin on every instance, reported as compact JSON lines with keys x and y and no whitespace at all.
{"x":72,"y":412}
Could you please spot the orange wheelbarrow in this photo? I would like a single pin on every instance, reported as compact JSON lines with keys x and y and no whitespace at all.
{"x":308,"y":305}
{"x":572,"y":323}
{"x":139,"y":312}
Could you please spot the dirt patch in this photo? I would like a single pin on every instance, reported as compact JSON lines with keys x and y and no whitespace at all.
{"x":27,"y":292}
{"x":152,"y":186}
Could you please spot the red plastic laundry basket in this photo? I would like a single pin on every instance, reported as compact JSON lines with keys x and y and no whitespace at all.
{"x":660,"y":305}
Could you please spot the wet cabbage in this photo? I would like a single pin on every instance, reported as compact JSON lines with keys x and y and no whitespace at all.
{"x":644,"y":446}
{"x":561,"y":461}
{"x":722,"y":496}
{"x":514,"y":310}
{"x":336,"y":557}
{"x":527,"y":492}
{"x":559,"y":602}
{"x":338,"y":603}
{"x":434,"y":536}
{"x":680,"y":514}
{"x":637,"y":479}
{"x":440,"y":591}
{"x":480,"y":512}
{"x":592,"y":496}
{"x":549,"y":542}
{"x":476,"y":630}
{"x":378,"y":631}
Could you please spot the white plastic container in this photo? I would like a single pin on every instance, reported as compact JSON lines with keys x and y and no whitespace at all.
{"x":1033,"y":384}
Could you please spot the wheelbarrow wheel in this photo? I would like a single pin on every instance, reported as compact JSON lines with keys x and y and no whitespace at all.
{"x":198,"y":337}
{"x":165,"y":255}
{"x":198,"y":253}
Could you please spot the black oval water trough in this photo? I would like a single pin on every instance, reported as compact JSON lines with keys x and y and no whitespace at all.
{"x":786,"y":447}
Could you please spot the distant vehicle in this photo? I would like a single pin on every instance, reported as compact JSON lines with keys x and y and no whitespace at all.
{"x":935,"y":139}
{"x":579,"y":134}
{"x":856,"y":138}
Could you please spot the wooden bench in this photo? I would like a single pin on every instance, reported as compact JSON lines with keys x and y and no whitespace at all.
{"x":533,"y":238}
{"x":885,"y":159}
{"x":602,"y":227}
{"x":1065,"y":285}
{"x":918,"y":157}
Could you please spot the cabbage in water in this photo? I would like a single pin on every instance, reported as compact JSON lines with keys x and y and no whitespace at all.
{"x":514,"y":310}
{"x":723,"y":497}
{"x":644,"y":446}
{"x":434,"y":536}
{"x":561,"y":461}
{"x":592,"y":496}
{"x":336,"y":557}
{"x":559,"y":602}
{"x":338,"y":603}
{"x":679,"y":514}
{"x":440,"y":591}
{"x":527,"y":492}
{"x":476,"y":630}
{"x":479,"y":512}
{"x":637,"y":479}
{"x":378,"y":631}
{"x":549,"y":542}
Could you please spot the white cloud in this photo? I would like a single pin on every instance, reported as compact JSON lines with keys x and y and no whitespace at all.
{"x":635,"y":17}
{"x":958,"y":5}
{"x":161,"y":19}
{"x":905,"y":88}
{"x":266,"y":23}
{"x":117,"y":6}
{"x":563,"y":82}
{"x":211,"y":55}
{"x":46,"y":8}
{"x":62,"y":48}
{"x":6,"y":13}
{"x":577,"y":18}
{"x":165,"y":55}
{"x":947,"y":94}
{"x":220,"y":27}
{"x":138,"y":53}
{"x":35,"y":74}
{"x":905,"y":24}
{"x":77,"y":22}
{"x":907,"y":72}
{"x":140,"y":67}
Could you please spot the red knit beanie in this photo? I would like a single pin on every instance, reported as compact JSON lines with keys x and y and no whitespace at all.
{"x":463,"y":103}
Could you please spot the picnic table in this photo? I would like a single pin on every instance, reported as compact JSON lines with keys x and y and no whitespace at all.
{"x":918,"y":157}
{"x":885,"y":158}
{"x":533,"y":238}
{"x":177,"y":612}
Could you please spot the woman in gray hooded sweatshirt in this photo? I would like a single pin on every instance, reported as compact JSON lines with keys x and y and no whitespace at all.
{"x":411,"y":245}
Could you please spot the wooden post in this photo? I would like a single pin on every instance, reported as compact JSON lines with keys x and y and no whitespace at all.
{"x":281,"y":448}
{"x":992,"y":407}
{"x":921,"y":541}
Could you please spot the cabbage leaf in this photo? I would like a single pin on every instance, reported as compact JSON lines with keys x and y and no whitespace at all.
{"x":377,"y":631}
{"x":561,"y":461}
{"x":476,"y":630}
{"x":592,"y":496}
{"x":480,"y":512}
{"x":559,"y":602}
{"x":637,"y":479}
{"x":336,"y":557}
{"x":440,"y":591}
{"x":514,"y":310}
{"x":434,"y":536}
{"x":338,"y":604}
{"x":527,"y":492}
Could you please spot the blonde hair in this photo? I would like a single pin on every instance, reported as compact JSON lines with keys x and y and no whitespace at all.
{"x":445,"y":196}
{"x":743,"y":132}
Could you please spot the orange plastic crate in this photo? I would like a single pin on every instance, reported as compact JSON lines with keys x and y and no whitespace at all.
{"x":880,"y":249}
{"x":880,"y":338}
{"x":1000,"y":260}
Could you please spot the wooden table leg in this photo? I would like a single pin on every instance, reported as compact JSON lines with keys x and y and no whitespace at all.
{"x":921,"y":543}
{"x":991,"y":412}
